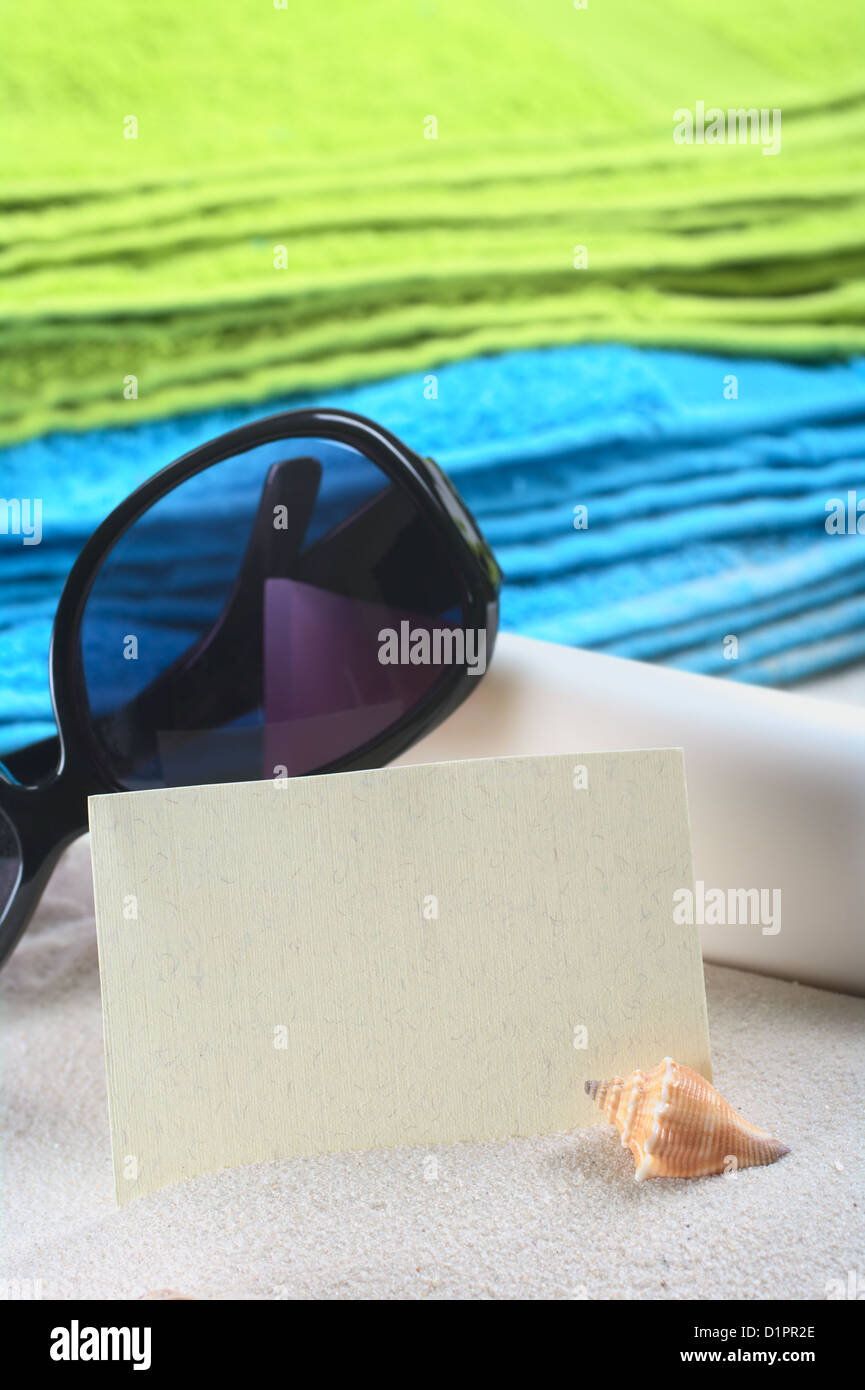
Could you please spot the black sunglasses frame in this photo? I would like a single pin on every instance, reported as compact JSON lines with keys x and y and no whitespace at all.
{"x":44,"y":788}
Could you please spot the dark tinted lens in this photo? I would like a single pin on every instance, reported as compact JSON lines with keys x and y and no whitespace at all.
{"x":10,"y":862}
{"x":235,"y":631}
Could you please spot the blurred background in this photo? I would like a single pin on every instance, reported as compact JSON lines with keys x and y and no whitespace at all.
{"x":642,"y":361}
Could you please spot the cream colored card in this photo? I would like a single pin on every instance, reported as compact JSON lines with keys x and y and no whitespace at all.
{"x":407,"y":956}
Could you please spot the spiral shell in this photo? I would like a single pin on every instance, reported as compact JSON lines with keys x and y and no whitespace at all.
{"x":678,"y":1126}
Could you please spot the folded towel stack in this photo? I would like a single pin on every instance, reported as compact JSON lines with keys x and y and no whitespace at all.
{"x":705,"y":514}
{"x":216,"y":204}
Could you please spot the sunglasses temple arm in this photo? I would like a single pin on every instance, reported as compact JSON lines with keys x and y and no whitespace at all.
{"x":33,"y":763}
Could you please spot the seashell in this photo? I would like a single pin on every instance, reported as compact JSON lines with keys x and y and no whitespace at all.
{"x":678,"y":1126}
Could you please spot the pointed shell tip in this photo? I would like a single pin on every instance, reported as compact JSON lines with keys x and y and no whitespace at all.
{"x":677,"y":1125}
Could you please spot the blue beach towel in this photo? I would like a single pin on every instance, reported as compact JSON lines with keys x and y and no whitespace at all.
{"x":705,"y":483}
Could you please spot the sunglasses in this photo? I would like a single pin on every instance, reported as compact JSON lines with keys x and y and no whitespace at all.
{"x":301,"y":595}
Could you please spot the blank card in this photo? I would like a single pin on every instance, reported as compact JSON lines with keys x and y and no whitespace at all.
{"x":415,"y":955}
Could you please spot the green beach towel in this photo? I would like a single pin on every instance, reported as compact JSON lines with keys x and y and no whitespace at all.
{"x":211,"y":204}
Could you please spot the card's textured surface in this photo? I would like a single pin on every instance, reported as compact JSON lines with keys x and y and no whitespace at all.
{"x":412,"y":955}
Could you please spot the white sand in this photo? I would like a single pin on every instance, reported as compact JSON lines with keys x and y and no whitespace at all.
{"x":551,"y":1217}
